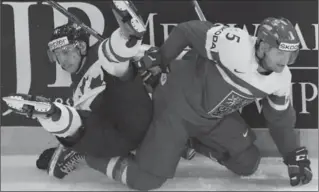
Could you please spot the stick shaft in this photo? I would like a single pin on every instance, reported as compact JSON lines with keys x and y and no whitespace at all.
{"x":74,"y":19}
{"x":198,"y":10}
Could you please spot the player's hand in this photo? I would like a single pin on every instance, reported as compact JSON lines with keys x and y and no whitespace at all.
{"x":151,"y":78}
{"x":151,"y":59}
{"x":30,"y":106}
{"x":298,"y":167}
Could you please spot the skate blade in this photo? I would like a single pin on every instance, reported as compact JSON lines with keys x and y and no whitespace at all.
{"x":17,"y":102}
{"x":136,"y":20}
{"x":54,"y":159}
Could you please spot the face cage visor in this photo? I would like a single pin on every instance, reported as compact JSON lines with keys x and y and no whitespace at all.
{"x":289,"y":47}
{"x":63,"y":44}
{"x":293,"y":48}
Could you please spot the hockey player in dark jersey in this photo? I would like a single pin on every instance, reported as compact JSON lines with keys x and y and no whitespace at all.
{"x":112,"y":109}
{"x":198,"y":101}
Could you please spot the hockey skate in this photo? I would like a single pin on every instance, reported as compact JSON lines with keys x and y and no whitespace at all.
{"x":129,"y":20}
{"x":189,"y":152}
{"x":63,"y":161}
{"x":29,"y":105}
{"x":45,"y":158}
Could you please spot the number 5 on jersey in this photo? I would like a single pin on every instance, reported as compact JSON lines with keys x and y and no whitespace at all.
{"x":215,"y":34}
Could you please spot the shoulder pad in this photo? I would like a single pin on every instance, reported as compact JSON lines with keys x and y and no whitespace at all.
{"x":236,"y":49}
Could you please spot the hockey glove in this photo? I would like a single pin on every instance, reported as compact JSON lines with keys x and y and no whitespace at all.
{"x":30,"y":106}
{"x":151,"y":59}
{"x":298,"y":166}
{"x":151,"y":77}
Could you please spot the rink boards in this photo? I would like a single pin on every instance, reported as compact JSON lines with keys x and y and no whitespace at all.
{"x":32,"y":140}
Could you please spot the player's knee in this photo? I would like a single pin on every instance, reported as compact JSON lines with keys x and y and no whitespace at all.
{"x":118,"y":48}
{"x":94,"y":163}
{"x":245,"y":163}
{"x":140,"y":180}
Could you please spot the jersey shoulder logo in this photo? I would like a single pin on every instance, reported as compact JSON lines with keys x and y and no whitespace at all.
{"x":92,"y":79}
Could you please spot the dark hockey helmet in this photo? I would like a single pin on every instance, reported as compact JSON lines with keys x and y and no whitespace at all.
{"x":69,"y":33}
{"x":281,"y":34}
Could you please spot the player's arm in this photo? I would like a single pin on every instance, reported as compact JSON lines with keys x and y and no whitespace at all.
{"x":281,"y":118}
{"x":213,"y":41}
{"x":115,"y":56}
{"x":87,"y":130}
{"x":190,"y":33}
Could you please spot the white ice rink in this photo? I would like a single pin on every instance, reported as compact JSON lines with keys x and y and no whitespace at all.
{"x":200,"y":174}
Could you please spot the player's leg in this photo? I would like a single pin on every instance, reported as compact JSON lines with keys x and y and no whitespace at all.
{"x":157,"y":157}
{"x":231,"y":143}
{"x":155,"y":160}
{"x":124,"y":43}
{"x":129,"y":20}
{"x":100,"y":138}
{"x":125,"y":170}
{"x":130,"y":107}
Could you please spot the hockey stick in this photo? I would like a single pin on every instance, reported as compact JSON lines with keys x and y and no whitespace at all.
{"x":75,"y":20}
{"x":198,"y":10}
{"x":201,"y":17}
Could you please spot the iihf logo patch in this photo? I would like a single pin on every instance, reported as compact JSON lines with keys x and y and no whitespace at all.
{"x":163,"y":78}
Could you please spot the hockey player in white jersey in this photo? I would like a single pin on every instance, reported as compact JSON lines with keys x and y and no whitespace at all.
{"x":229,"y":70}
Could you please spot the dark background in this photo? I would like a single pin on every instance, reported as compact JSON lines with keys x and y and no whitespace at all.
{"x":303,"y":12}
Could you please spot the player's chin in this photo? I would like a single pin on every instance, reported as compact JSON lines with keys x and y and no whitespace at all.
{"x":279,"y":69}
{"x":70,"y":70}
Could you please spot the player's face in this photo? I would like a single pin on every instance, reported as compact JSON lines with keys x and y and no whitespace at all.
{"x":275,"y":60}
{"x":69,"y":57}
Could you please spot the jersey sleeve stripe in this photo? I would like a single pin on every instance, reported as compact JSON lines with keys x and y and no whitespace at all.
{"x":110,"y":166}
{"x":112,"y":67}
{"x":105,"y":52}
{"x":279,"y":100}
{"x":118,"y":47}
{"x":124,"y":176}
{"x":278,"y":107}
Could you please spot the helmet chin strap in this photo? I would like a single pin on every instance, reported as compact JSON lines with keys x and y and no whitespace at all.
{"x":261,"y":64}
{"x":82,"y":61}
{"x":260,"y":61}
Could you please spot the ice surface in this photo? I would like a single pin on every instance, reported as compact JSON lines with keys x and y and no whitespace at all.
{"x":200,"y":174}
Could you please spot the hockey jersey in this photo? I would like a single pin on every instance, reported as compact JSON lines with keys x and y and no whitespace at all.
{"x":104,"y":131}
{"x":93,"y":77}
{"x":223,"y":78}
{"x":89,"y":81}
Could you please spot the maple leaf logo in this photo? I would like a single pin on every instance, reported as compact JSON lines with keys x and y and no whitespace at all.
{"x":83,"y":85}
{"x":96,"y":82}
